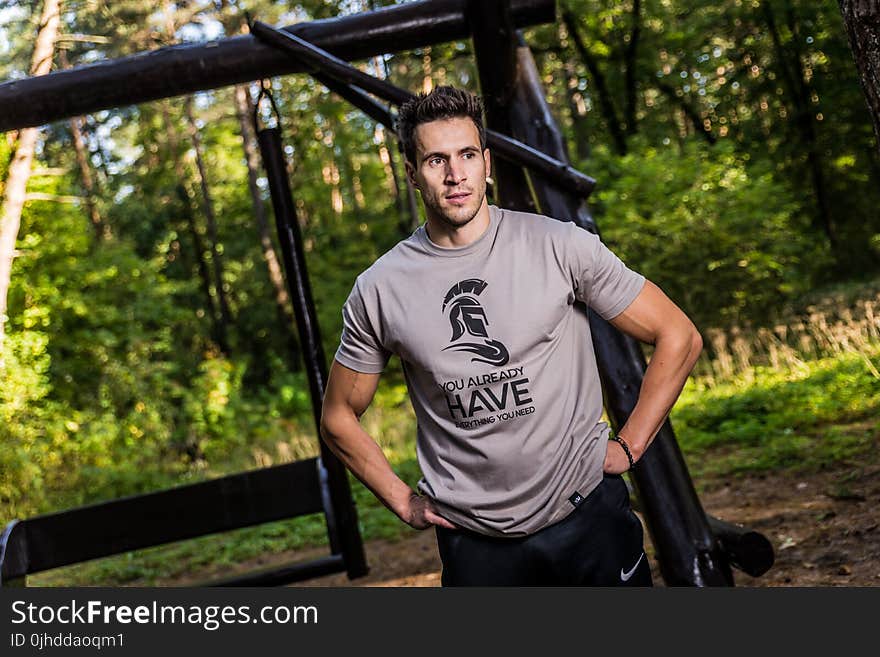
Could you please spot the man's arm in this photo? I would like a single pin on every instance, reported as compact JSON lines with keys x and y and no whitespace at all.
{"x":653,"y":318}
{"x":347,"y":396}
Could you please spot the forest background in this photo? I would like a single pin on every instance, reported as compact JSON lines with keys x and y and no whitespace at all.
{"x":148,"y":339}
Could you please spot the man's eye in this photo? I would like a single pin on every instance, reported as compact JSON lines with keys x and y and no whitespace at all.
{"x":468,"y":156}
{"x":435,"y":161}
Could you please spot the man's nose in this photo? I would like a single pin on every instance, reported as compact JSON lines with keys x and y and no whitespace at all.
{"x":454,"y":173}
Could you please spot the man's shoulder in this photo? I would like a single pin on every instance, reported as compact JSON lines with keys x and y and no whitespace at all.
{"x":536,"y":225}
{"x":390,"y":265}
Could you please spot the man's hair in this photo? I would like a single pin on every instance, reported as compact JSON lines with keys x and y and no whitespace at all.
{"x":442,"y":103}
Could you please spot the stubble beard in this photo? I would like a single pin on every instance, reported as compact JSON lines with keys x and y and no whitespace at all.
{"x":457,"y":217}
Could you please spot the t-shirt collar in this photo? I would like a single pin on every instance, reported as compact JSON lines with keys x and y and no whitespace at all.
{"x":456,"y":251}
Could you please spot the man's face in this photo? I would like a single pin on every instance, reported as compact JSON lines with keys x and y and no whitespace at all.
{"x":450,"y":169}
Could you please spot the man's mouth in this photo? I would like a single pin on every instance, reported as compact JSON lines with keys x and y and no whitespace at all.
{"x":458,"y":197}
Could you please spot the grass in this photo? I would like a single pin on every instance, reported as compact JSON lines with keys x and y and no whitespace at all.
{"x":802,"y":419}
{"x":798,"y":419}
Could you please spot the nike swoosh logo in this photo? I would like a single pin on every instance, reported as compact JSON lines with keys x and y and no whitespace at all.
{"x":624,"y":576}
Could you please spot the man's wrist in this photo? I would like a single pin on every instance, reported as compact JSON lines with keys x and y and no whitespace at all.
{"x":401,"y":502}
{"x":620,"y":440}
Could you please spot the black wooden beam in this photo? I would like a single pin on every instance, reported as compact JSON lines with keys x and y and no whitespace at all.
{"x":339,"y":509}
{"x":364,"y":102}
{"x":324,"y":66}
{"x":239,"y":500}
{"x":187,"y":68}
{"x":687,"y":552}
{"x":533,"y":123}
{"x":746,"y":549}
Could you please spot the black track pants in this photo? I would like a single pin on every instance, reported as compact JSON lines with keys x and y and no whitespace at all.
{"x":600,"y":543}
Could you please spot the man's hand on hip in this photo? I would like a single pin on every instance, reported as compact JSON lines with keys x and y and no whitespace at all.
{"x":422,"y":514}
{"x":616,"y":461}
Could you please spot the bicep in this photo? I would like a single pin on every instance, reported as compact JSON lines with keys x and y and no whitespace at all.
{"x":651,"y":314}
{"x":348,"y":390}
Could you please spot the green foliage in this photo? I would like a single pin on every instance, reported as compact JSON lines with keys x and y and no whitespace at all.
{"x":91,"y":360}
{"x":27,"y":457}
{"x":774,"y":78}
{"x":722,"y":236}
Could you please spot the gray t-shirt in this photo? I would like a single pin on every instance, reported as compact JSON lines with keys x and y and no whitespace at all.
{"x":499,"y":363}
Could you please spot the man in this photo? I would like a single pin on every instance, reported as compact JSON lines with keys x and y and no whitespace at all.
{"x":521,"y":478}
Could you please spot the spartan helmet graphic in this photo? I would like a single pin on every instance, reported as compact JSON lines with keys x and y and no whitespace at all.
{"x":467,"y":317}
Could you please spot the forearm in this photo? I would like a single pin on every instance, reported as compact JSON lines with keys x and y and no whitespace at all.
{"x":362,"y":455}
{"x":673,"y":360}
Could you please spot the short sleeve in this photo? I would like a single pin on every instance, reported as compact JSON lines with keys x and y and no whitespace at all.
{"x":360,"y":347}
{"x":601,"y":279}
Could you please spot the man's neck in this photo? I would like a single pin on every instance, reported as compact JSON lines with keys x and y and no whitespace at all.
{"x":446,"y":236}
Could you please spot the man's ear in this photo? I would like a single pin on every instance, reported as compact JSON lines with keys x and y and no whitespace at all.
{"x":410,"y":173}
{"x":488,"y":161}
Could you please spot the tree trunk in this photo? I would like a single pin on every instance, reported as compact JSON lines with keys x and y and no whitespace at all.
{"x":100,"y":229}
{"x":606,"y":102}
{"x":809,"y":127}
{"x":407,"y":208}
{"x":392,"y":180}
{"x":220,"y":321}
{"x":208,"y":207}
{"x":286,"y":319}
{"x":20,"y":168}
{"x":348,"y":175}
{"x":798,"y":89}
{"x":186,"y":204}
{"x":862,"y":20}
{"x":577,"y":111}
{"x":631,"y":58}
{"x":690,"y":113}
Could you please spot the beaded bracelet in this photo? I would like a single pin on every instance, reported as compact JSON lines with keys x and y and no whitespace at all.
{"x":620,"y":441}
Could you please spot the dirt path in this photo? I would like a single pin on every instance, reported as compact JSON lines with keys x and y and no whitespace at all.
{"x":825,"y":531}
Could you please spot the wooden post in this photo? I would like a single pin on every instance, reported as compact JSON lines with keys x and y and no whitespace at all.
{"x":342,"y":524}
{"x":497,"y":74}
